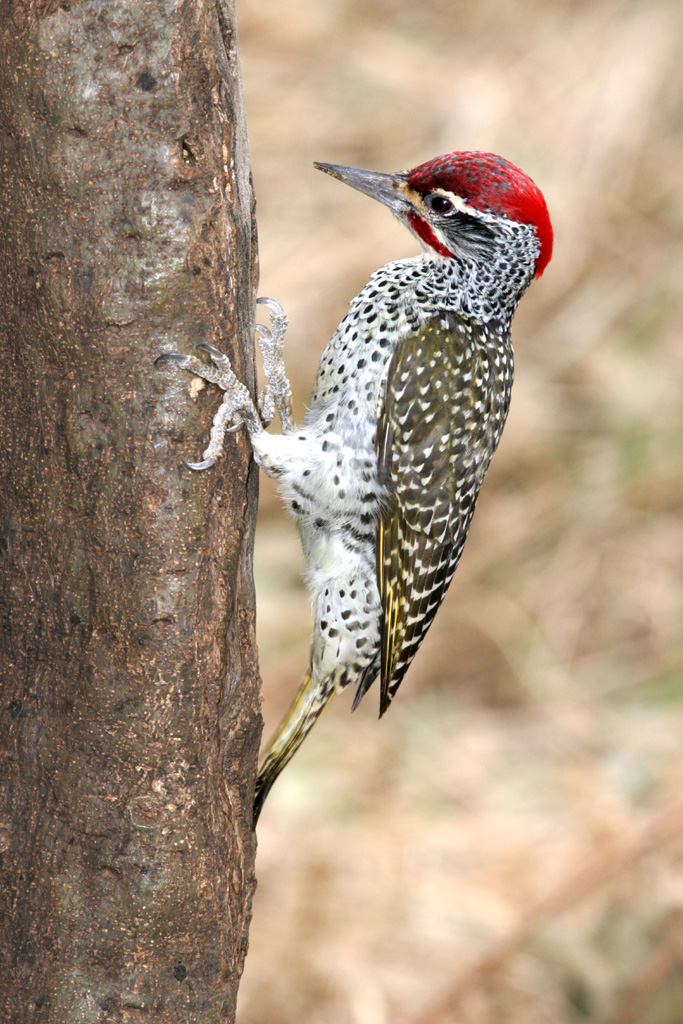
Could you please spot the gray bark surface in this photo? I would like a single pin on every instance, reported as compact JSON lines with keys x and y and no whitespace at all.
{"x":129,"y":715}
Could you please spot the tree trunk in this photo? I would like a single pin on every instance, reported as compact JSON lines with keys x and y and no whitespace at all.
{"x":129,"y":711}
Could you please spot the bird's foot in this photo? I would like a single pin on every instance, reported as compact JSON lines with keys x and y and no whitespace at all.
{"x":236,"y":409}
{"x":277,"y":394}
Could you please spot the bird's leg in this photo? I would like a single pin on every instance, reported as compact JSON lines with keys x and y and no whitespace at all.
{"x":237,"y":407}
{"x":277,"y":394}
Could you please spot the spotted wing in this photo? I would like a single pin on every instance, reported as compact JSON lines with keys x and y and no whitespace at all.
{"x":442,"y":407}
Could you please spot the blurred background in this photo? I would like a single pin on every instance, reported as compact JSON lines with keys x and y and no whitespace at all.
{"x":506,"y":846}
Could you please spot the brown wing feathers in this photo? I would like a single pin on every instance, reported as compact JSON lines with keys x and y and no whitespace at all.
{"x":434,"y":442}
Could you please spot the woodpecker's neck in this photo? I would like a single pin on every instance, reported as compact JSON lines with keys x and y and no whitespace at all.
{"x":430,"y":283}
{"x":488,"y":286}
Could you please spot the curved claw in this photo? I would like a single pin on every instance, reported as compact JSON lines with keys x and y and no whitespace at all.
{"x":211,"y":350}
{"x":197,"y":466}
{"x":171,"y":357}
{"x":274,"y":306}
{"x":234,"y":428}
{"x":265,"y":332}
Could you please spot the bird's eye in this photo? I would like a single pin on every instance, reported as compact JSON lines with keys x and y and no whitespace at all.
{"x":440,"y":204}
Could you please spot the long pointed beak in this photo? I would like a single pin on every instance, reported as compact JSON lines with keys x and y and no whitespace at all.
{"x":386,"y":188}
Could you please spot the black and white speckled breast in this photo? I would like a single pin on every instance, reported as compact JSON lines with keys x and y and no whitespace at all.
{"x":398,"y":298}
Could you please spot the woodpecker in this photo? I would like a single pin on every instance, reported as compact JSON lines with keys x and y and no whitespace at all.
{"x":407,"y":409}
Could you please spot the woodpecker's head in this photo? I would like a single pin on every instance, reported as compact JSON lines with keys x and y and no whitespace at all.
{"x":468,"y":206}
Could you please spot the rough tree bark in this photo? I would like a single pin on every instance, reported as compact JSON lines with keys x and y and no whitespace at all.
{"x":129,"y":710}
